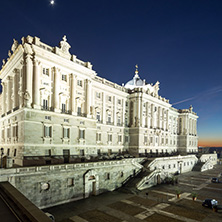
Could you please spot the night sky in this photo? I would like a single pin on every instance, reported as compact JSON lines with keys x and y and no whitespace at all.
{"x":177,"y":42}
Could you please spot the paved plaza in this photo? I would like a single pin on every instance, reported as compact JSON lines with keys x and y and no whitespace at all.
{"x":158,"y":203}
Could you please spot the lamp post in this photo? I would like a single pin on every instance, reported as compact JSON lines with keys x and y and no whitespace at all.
{"x":2,"y":153}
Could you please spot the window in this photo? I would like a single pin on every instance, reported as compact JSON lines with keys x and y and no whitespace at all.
{"x":98,"y":95}
{"x":15,"y":131}
{"x":109,"y":118}
{"x":126,"y":139}
{"x":14,"y":152}
{"x":64,"y":77}
{"x":66,"y":132}
{"x":70,"y":182}
{"x":45,"y":104}
{"x":81,"y":134}
{"x":66,"y":120}
{"x":119,"y":138}
{"x":63,"y":107}
{"x":48,"y":117}
{"x":98,"y":136}
{"x":8,"y":132}
{"x":109,"y":98}
{"x":121,"y":174}
{"x":110,"y":137}
{"x":3,"y":133}
{"x":119,"y":121}
{"x":174,"y":165}
{"x":169,"y":166}
{"x":119,"y":101}
{"x":79,"y":83}
{"x":45,"y":71}
{"x":47,"y":131}
{"x":98,"y":151}
{"x":151,"y":140}
{"x":98,"y":116}
{"x":79,"y":111}
{"x":8,"y":151}
{"x":82,"y":153}
{"x":107,"y":176}
{"x":145,"y":139}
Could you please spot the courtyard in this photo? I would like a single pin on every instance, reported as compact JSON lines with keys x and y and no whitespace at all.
{"x":159,"y":203}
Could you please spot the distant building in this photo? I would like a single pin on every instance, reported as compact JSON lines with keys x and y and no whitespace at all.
{"x":54,"y":108}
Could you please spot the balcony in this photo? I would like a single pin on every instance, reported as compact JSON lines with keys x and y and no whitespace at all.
{"x":46,"y":108}
{"x":67,"y":112}
{"x":109,"y":123}
{"x":81,"y":114}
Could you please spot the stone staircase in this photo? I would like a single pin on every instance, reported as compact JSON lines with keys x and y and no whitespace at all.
{"x":198,"y":166}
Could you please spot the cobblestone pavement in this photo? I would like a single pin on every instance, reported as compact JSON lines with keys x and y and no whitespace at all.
{"x":161,"y":203}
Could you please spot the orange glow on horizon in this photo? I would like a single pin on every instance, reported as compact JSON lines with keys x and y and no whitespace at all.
{"x":210,"y":142}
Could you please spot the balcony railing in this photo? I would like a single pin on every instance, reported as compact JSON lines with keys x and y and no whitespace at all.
{"x":66,"y":111}
{"x":109,"y":123}
{"x":81,"y":114}
{"x":47,"y":108}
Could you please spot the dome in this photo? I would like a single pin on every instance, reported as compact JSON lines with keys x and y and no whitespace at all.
{"x":135,"y":82}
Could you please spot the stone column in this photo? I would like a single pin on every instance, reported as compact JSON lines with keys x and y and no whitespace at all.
{"x":56,"y":90}
{"x":167,"y":120}
{"x":152,"y":115}
{"x":147,"y":115}
{"x":114,"y":110}
{"x":141,"y":111}
{"x":73,"y":94}
{"x":104,"y":108}
{"x":9,"y":93}
{"x":21,"y":89}
{"x":36,"y":85}
{"x":15,"y":89}
{"x":123,"y":110}
{"x":29,"y":80}
{"x":3,"y":97}
{"x":88,"y":96}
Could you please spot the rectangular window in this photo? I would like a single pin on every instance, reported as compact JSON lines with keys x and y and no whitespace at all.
{"x":98,"y":95}
{"x":47,"y":131}
{"x":110,"y":137}
{"x":98,"y":136}
{"x":109,"y":118}
{"x":79,"y":111}
{"x":8,"y":151}
{"x":66,"y":132}
{"x":119,"y":101}
{"x":66,"y":120}
{"x":145,"y":139}
{"x":98,"y":116}
{"x":63,"y":107}
{"x":8,"y":132}
{"x":109,"y":98}
{"x":45,"y":104}
{"x":15,"y":131}
{"x":79,"y":82}
{"x":126,"y":139}
{"x":14,"y":152}
{"x":45,"y":71}
{"x":82,"y":153}
{"x":64,"y":77}
{"x":3,"y":134}
{"x":70,"y":182}
{"x":81,"y":134}
{"x":119,"y":138}
{"x":48,"y":117}
{"x":107,"y":176}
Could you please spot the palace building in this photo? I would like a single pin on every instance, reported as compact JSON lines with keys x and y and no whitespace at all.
{"x":54,"y":108}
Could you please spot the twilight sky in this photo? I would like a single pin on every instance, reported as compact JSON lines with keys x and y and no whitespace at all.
{"x":177,"y":42}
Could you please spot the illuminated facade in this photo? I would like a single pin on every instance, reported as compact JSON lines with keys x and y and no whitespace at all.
{"x":55,"y":108}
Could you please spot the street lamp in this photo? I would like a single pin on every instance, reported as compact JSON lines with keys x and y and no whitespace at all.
{"x":2,"y":153}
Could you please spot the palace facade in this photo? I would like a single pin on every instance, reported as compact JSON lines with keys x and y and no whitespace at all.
{"x":55,"y":108}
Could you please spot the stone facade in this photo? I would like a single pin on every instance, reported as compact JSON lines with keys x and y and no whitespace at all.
{"x":47,"y":186}
{"x":55,"y":108}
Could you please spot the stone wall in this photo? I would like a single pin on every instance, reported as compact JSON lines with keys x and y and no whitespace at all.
{"x":51,"y":185}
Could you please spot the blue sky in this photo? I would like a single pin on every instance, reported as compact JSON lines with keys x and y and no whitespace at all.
{"x":177,"y":42}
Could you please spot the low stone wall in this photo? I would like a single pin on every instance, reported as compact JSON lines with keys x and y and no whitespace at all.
{"x":51,"y":185}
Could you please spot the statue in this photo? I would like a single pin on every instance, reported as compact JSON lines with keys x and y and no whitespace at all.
{"x":64,"y":45}
{"x":14,"y":45}
{"x":156,"y":88}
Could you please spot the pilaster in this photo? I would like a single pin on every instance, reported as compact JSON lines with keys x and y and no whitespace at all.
{"x":36,"y":85}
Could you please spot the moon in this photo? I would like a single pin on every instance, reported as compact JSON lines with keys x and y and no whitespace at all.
{"x":52,"y":2}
